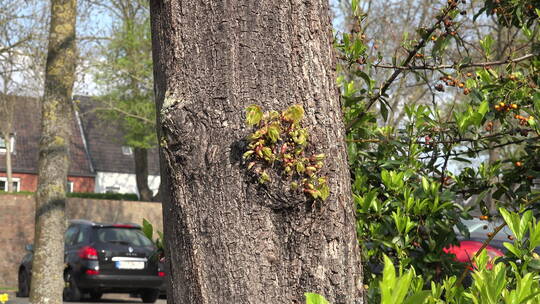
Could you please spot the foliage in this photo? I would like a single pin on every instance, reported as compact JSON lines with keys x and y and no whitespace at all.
{"x":513,"y":279}
{"x":409,"y":177}
{"x":148,"y":230}
{"x":280,"y":142}
{"x":125,"y":76}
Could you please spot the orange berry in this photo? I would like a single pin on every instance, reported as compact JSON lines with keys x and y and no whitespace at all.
{"x":497,"y":107}
{"x":510,"y":237}
{"x":466,"y":91}
{"x":483,"y":217}
{"x":461,"y":85}
{"x":518,"y":164}
{"x":514,"y":106}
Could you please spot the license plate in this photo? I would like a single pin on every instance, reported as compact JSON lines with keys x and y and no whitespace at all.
{"x":129,"y":265}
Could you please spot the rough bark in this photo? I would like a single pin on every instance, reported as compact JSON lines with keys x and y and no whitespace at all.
{"x":57,"y":113}
{"x":140,"y":157}
{"x":229,"y":239}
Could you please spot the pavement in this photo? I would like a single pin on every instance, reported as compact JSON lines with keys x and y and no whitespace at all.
{"x":107,"y":298}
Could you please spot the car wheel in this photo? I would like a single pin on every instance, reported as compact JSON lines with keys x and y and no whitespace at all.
{"x":71,"y":291}
{"x":24,"y":284}
{"x":95,"y":295}
{"x":150,"y":295}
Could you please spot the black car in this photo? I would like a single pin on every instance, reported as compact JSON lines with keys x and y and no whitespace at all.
{"x":104,"y":258}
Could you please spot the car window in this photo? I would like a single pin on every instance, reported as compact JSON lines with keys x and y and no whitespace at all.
{"x":125,"y":236}
{"x":70,"y":235}
{"x":82,"y":237}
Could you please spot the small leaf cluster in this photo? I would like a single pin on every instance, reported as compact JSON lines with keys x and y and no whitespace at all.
{"x":279,"y":142}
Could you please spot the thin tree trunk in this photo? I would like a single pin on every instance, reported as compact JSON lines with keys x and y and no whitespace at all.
{"x":57,"y":113}
{"x":230,"y":240}
{"x":8,"y":164}
{"x":141,"y":173}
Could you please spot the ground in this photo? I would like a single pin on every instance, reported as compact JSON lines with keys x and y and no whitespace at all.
{"x":107,"y":298}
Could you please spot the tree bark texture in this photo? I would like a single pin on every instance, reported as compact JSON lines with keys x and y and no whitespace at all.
{"x":229,"y":239}
{"x":57,"y":113}
{"x":141,"y":173}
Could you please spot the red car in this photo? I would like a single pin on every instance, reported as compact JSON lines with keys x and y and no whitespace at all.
{"x":469,"y":245}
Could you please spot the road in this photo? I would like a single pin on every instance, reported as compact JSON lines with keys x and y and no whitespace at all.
{"x":107,"y":298}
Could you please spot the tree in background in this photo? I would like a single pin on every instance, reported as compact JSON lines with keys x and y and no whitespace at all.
{"x":237,"y":229}
{"x":125,"y":74}
{"x":57,"y":114}
{"x":6,"y":131}
{"x":16,"y":33}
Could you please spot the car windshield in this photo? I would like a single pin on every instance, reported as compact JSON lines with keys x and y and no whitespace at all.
{"x":125,"y":236}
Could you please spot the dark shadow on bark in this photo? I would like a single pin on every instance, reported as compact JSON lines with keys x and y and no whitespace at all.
{"x":51,"y":206}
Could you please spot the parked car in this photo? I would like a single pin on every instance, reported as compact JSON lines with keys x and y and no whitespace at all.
{"x":478,"y":234}
{"x":104,"y":258}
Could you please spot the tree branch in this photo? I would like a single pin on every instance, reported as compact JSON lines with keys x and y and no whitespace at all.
{"x":454,"y":66}
{"x":410,"y":57}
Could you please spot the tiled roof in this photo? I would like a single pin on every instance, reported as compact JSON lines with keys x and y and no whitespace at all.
{"x":104,"y":139}
{"x":27,"y":126}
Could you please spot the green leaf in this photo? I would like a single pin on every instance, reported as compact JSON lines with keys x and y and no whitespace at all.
{"x":512,"y":220}
{"x":324,"y":190}
{"x":254,"y":115}
{"x":484,"y":108}
{"x":512,"y":249}
{"x":486,"y":44}
{"x":313,"y":298}
{"x":273,"y":133}
{"x":294,"y":113}
{"x":425,"y":184}
{"x":147,"y":229}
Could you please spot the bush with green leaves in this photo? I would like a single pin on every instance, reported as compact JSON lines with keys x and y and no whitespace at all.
{"x":508,"y":280}
{"x":475,"y":140}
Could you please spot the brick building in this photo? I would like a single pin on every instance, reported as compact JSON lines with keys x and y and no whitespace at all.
{"x":25,"y":149}
{"x":99,"y":162}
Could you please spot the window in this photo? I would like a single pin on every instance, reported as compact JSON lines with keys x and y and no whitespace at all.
{"x":127,"y":150}
{"x":3,"y":144}
{"x":82,"y":237}
{"x":16,"y":184}
{"x":70,"y":186}
{"x":70,"y":235}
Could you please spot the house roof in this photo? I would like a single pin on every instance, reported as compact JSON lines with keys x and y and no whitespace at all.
{"x":105,"y":139}
{"x":27,"y":129}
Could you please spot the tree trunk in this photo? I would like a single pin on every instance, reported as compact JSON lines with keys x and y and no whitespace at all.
{"x":229,"y":239}
{"x":9,"y":174}
{"x":57,"y":114}
{"x":141,"y":173}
